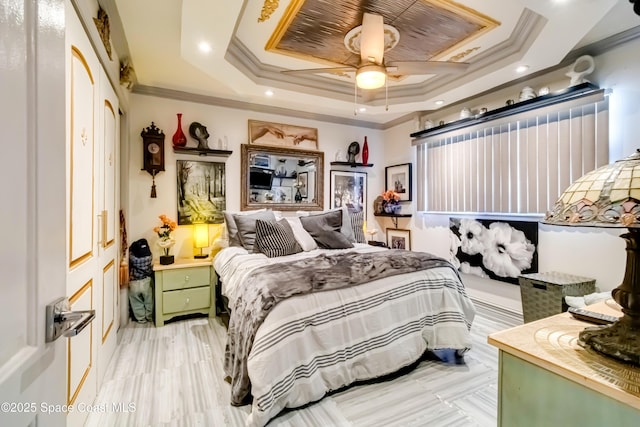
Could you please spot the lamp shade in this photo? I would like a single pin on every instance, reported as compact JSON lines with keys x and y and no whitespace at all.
{"x":606,"y":197}
{"x":200,"y":235}
{"x":609,"y":197}
{"x":371,"y":76}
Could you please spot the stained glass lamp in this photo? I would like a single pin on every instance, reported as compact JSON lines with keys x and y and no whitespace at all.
{"x":610,"y":197}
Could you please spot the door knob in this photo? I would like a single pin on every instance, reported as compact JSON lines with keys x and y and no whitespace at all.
{"x":60,"y":321}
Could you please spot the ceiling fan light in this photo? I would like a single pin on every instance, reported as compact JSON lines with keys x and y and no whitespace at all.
{"x":371,"y":77}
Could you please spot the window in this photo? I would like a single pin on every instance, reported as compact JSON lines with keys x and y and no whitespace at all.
{"x":516,"y":164}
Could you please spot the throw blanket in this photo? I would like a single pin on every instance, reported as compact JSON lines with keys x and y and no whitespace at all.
{"x":268,"y":285}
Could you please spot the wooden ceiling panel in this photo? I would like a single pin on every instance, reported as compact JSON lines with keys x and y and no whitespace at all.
{"x":314,"y":30}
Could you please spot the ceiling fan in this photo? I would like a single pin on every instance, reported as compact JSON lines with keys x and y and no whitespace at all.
{"x":370,"y":40}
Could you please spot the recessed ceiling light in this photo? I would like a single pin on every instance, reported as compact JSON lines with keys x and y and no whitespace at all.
{"x":439,"y":102}
{"x":362,"y":109}
{"x":268,"y":92}
{"x":204,"y":47}
{"x":522,"y":68}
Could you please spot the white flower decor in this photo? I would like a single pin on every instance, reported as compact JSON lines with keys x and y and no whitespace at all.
{"x":454,"y":244}
{"x":492,"y":249}
{"x":507,"y":251}
{"x":472,"y":236}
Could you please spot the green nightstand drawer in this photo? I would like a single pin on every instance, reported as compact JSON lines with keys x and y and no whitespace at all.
{"x":186,"y":299}
{"x":182,"y":278}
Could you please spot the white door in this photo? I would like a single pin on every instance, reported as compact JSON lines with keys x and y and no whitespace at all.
{"x":32,"y":212}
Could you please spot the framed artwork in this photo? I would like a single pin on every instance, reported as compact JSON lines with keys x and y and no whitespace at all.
{"x":497,"y":249}
{"x":201,"y":192}
{"x":281,"y":135}
{"x":282,"y":194}
{"x":349,"y":189}
{"x":398,"y":179}
{"x":398,"y":238}
{"x":303,"y":182}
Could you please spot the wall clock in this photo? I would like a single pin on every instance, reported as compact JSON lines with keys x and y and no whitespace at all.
{"x":153,"y":153}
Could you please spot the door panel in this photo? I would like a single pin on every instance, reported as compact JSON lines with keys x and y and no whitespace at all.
{"x":32,"y":266}
{"x":81,"y":159}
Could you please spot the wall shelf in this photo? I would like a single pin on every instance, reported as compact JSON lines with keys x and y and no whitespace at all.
{"x":573,"y":92}
{"x":394,"y":217}
{"x":353,"y":165}
{"x":202,"y":151}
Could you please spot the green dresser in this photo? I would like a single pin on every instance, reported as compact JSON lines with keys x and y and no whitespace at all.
{"x":545,"y":379}
{"x":184,"y":287}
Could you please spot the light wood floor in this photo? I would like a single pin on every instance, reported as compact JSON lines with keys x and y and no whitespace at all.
{"x":172,"y":376}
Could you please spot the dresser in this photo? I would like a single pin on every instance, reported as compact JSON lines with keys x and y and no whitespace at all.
{"x":547,"y":379}
{"x":184,"y":287}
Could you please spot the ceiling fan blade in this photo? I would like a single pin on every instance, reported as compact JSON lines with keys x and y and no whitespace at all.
{"x":372,"y":39}
{"x":429,"y":67}
{"x":334,"y":70}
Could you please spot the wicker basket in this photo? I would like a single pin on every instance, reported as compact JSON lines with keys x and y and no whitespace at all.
{"x":543,"y":293}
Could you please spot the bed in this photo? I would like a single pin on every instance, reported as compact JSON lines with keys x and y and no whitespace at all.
{"x":310,"y":344}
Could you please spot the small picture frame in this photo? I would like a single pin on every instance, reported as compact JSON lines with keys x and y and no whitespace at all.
{"x":398,"y":238}
{"x":398,"y":179}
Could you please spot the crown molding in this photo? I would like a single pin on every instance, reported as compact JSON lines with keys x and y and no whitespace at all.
{"x":248,"y":106}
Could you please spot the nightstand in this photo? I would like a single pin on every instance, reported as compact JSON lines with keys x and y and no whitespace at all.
{"x":184,"y":287}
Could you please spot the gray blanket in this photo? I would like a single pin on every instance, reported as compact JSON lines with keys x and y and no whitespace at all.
{"x":268,"y":285}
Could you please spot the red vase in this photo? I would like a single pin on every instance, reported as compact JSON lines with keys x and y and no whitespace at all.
{"x":179,"y":139}
{"x":365,"y":152}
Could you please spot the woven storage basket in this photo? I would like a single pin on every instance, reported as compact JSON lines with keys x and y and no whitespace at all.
{"x":543,"y":293}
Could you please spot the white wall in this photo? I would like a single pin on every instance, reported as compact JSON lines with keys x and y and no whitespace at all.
{"x":590,"y":252}
{"x":143,"y":211}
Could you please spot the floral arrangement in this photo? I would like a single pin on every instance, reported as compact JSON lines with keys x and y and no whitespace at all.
{"x":390,"y":202}
{"x":391,"y":197}
{"x":164,"y":232}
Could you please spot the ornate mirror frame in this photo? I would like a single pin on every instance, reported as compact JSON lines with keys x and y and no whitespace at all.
{"x":250,"y":151}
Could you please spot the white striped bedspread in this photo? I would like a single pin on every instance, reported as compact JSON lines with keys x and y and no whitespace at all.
{"x":312,"y":344}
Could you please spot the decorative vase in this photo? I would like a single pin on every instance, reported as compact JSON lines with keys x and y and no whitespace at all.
{"x":179,"y":138}
{"x":298,"y":196}
{"x":365,"y":152}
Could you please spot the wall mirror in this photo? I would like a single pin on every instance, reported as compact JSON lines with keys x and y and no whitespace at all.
{"x":281,"y":179}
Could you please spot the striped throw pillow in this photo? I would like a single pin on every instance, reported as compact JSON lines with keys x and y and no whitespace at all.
{"x":357,"y":223}
{"x":275,"y":238}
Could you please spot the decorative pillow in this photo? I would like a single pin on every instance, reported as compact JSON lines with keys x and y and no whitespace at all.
{"x":357,"y":224}
{"x":304,"y":239}
{"x":345,"y":229}
{"x":330,"y":239}
{"x":275,"y":238}
{"x":325,"y":229}
{"x":232,"y":229}
{"x":246,"y":225}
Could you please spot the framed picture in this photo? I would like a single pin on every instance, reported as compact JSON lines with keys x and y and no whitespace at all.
{"x":349,"y":189}
{"x":268,"y":133}
{"x":303,"y":182}
{"x":398,"y":238}
{"x":497,"y":249}
{"x":201,"y":192}
{"x":398,"y":179}
{"x":282,"y":194}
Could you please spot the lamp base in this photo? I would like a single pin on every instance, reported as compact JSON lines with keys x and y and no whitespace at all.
{"x":620,"y":340}
{"x":200,"y":256}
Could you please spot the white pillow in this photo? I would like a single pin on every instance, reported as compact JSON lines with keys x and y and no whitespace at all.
{"x":302,"y":236}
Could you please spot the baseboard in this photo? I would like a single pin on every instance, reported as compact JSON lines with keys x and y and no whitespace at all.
{"x":508,"y":316}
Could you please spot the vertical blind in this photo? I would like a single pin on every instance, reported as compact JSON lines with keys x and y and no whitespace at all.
{"x":516,"y":164}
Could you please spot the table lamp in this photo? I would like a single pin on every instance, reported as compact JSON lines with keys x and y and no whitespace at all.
{"x":610,"y":197}
{"x":200,"y":238}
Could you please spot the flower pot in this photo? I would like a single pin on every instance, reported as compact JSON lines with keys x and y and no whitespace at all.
{"x":166,"y":259}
